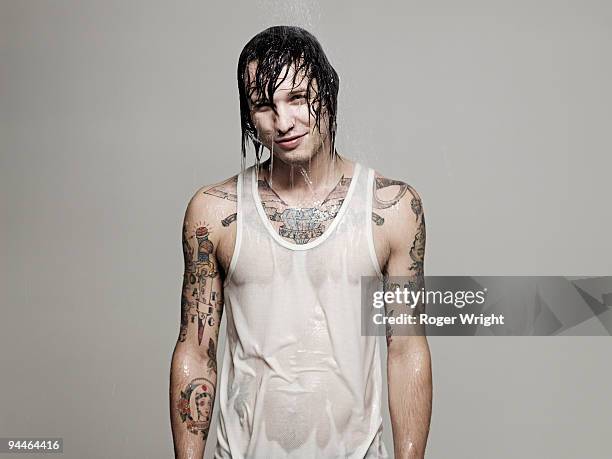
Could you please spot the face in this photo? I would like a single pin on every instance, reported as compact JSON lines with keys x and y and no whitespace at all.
{"x":288,"y":117}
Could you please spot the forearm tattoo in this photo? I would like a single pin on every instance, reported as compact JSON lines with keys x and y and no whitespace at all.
{"x":212,"y":355}
{"x":195,"y":406}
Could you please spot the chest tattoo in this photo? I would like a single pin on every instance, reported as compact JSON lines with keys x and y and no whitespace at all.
{"x":302,"y":224}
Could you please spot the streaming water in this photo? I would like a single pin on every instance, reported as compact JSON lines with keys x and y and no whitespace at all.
{"x":271,"y":168}
{"x":312,"y":194}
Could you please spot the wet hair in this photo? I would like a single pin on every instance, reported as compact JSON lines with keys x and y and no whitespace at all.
{"x":273,"y":49}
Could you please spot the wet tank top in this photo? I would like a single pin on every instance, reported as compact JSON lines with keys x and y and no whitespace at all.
{"x":298,"y":380}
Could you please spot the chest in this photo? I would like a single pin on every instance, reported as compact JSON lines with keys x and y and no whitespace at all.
{"x":326,"y":258}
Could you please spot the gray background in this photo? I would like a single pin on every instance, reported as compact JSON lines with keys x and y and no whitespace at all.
{"x":114,"y":112}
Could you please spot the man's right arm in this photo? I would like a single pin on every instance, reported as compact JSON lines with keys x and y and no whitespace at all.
{"x":193,"y":374}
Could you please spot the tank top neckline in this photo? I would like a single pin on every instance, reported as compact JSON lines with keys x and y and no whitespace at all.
{"x":328,"y":231}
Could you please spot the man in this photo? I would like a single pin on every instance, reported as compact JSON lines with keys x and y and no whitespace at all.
{"x":284,"y":245}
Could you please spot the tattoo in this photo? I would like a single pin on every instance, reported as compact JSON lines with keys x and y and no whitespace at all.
{"x":412,"y":284}
{"x":381,"y":183}
{"x":389,"y":329}
{"x":417,"y":248}
{"x":225,"y":190}
{"x":417,"y":206}
{"x":377,"y":219}
{"x":227,"y":221}
{"x":389,"y":312}
{"x":188,"y":278}
{"x":197,"y":398}
{"x":212,"y":356}
{"x":184,"y":319}
{"x":302,"y":224}
{"x":417,"y":251}
{"x":268,"y":195}
{"x":198,"y":300}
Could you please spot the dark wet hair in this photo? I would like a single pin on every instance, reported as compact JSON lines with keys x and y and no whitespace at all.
{"x":273,"y":49}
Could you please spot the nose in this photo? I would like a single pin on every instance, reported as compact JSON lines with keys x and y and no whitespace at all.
{"x":285,"y":118}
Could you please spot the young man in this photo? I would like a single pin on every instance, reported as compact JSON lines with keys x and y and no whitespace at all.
{"x":284,"y":245}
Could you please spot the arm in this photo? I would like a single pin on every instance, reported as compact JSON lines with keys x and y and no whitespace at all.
{"x":408,"y":358}
{"x":193,"y":374}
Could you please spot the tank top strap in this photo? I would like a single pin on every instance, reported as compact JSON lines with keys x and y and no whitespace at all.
{"x":358,"y":220}
{"x":246,"y":218}
{"x":354,"y":201}
{"x":249,"y":205}
{"x":353,"y":220}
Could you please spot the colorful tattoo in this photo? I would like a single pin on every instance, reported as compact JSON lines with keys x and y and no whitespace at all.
{"x":198,"y":299}
{"x":195,"y":406}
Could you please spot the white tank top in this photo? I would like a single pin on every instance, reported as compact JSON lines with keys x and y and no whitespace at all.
{"x":298,"y":380}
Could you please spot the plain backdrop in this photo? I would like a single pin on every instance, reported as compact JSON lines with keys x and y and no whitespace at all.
{"x":114,"y":112}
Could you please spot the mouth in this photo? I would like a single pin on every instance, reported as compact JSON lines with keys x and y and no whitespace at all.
{"x":290,"y":142}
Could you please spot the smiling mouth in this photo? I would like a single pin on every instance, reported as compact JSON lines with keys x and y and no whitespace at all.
{"x":290,"y":143}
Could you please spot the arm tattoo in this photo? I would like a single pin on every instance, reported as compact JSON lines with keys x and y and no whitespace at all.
{"x":225,"y":190}
{"x":212,"y":356}
{"x":417,"y":248}
{"x":417,"y":206}
{"x":195,"y":406}
{"x":417,"y":251}
{"x":379,"y":184}
{"x":377,"y":219}
{"x":382,"y":182}
{"x":227,"y":221}
{"x":199,"y":301}
{"x":389,"y":312}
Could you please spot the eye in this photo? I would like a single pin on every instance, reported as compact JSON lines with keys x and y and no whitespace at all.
{"x":298,"y":97}
{"x":260,"y":105}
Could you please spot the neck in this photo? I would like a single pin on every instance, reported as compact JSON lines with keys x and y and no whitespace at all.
{"x":320,"y":172}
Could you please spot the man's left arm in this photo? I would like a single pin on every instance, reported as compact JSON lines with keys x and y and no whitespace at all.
{"x":408,"y":359}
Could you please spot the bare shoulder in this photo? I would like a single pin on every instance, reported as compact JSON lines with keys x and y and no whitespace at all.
{"x":399,"y":230}
{"x":224,"y":191}
{"x":214,"y":204}
{"x":211,"y":216}
{"x":396,"y":202}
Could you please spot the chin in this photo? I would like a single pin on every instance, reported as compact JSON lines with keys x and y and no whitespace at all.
{"x":297,"y":156}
